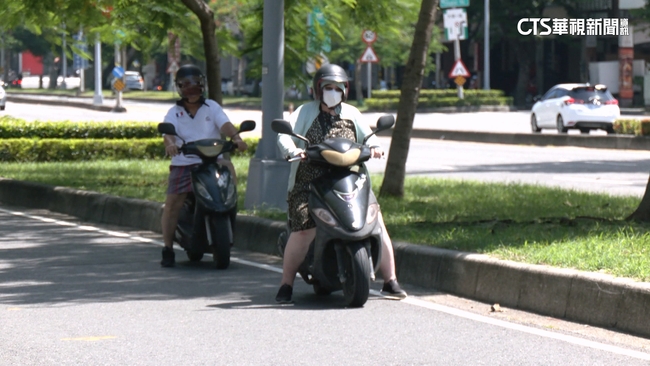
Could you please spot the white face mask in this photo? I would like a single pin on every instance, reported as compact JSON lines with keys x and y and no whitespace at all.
{"x":332,"y":97}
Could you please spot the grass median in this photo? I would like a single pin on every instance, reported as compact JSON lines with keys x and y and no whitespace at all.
{"x":525,"y":223}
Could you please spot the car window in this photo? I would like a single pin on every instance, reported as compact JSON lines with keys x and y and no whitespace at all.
{"x":549,"y":94}
{"x":561,"y":93}
{"x":589,"y":93}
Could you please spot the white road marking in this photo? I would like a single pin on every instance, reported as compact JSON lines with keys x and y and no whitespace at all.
{"x":410,"y":300}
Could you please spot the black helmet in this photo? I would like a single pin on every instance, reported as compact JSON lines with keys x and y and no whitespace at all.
{"x":331,"y":73}
{"x":188,"y":76}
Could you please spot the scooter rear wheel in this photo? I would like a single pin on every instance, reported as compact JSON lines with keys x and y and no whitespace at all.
{"x":357,"y":273}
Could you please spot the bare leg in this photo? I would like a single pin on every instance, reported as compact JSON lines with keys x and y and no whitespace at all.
{"x":387,"y":265}
{"x":294,"y":254}
{"x":173,"y":205}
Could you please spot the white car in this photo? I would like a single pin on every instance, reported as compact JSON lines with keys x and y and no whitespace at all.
{"x":3,"y":97}
{"x":583,"y":107}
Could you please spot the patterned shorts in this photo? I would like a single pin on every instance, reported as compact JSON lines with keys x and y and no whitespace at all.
{"x":180,"y":179}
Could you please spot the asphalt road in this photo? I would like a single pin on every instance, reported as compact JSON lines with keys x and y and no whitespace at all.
{"x":73,"y":293}
{"x":617,"y":172}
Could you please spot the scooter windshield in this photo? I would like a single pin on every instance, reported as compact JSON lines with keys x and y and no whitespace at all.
{"x":209,"y":148}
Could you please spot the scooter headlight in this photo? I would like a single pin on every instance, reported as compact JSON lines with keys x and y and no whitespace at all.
{"x":200,"y":189}
{"x":373,"y":210}
{"x":324,"y":216}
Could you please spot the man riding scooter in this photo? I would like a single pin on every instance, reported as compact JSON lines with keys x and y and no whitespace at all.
{"x":194,"y":117}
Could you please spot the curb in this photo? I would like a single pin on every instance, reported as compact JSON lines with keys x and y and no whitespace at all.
{"x":596,"y":142}
{"x":69,"y":103}
{"x":592,"y":298}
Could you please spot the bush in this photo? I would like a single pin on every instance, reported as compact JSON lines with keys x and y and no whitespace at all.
{"x":632,"y":126}
{"x":44,"y":150}
{"x":439,"y":93}
{"x":387,"y":104}
{"x":18,"y":128}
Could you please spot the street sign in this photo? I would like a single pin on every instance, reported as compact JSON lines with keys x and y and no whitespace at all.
{"x":459,"y":80}
{"x":454,"y":4}
{"x":369,"y":36}
{"x":313,"y":44}
{"x":118,"y":85}
{"x":459,"y":69}
{"x":369,"y":55}
{"x":118,"y":72}
{"x":455,"y":22}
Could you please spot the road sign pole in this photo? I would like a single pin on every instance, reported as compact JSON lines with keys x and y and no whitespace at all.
{"x":118,"y":98}
{"x":459,"y":87}
{"x":486,"y":47}
{"x":98,"y":98}
{"x":369,"y":79}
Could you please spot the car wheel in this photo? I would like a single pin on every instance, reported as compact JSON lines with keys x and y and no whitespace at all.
{"x":2,"y":108}
{"x":584,"y":131}
{"x":610,"y":130}
{"x":533,"y":124}
{"x":560,"y":124}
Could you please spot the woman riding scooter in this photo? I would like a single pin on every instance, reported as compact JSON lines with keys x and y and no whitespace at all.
{"x":194,"y":117}
{"x":327,"y":116}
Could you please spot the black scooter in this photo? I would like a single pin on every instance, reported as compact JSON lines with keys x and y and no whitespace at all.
{"x":206,"y":222}
{"x":346,"y":252}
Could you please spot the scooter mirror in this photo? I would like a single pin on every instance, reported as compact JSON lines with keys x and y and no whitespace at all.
{"x":167,"y":128}
{"x":247,"y":126}
{"x":282,"y":126}
{"x":385,"y":122}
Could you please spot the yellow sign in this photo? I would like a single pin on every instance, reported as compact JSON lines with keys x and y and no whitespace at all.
{"x":118,"y":84}
{"x":459,"y":80}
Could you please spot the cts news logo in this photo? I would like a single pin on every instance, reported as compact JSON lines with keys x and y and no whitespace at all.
{"x":542,"y":22}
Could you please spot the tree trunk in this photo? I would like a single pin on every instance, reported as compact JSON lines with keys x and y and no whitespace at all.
{"x":642,"y":213}
{"x":523,"y":51}
{"x":393,"y":184}
{"x":210,"y":46}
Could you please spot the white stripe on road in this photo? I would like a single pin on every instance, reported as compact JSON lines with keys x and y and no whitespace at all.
{"x":410,"y":300}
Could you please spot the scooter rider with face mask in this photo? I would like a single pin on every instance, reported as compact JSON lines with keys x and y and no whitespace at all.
{"x":326,"y":117}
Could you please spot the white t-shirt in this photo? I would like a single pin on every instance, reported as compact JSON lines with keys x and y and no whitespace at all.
{"x":206,"y":124}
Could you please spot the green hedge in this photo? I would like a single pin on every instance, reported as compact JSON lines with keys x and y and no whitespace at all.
{"x":43,"y":150}
{"x":386,"y":104}
{"x":439,"y":93}
{"x":18,"y":128}
{"x":632,"y":126}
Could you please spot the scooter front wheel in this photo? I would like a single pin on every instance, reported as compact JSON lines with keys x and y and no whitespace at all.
{"x":221,"y":232}
{"x":357,"y":275}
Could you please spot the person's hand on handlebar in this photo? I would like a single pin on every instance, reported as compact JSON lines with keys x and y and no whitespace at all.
{"x":298,"y":155}
{"x":170,"y":146}
{"x":376,"y":152}
{"x":241,"y":145}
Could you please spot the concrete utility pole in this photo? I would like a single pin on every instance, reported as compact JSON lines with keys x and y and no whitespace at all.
{"x":268,"y":174}
{"x":98,"y":97}
{"x":486,"y":47}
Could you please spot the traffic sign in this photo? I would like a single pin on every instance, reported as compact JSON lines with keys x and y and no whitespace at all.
{"x":459,"y":80}
{"x":455,"y":22}
{"x":369,"y":36}
{"x":173,"y":67}
{"x":118,"y":72}
{"x":118,"y":85}
{"x":454,"y":4}
{"x":369,"y":55}
{"x":459,"y":69}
